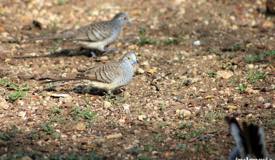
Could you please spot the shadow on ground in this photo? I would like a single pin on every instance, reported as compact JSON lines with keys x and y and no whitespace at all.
{"x":66,"y":53}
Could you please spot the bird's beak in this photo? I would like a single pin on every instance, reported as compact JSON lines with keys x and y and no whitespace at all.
{"x":135,"y":62}
{"x":129,"y":23}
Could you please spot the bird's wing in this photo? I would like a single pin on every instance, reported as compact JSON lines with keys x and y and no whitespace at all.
{"x":105,"y":73}
{"x":93,"y":32}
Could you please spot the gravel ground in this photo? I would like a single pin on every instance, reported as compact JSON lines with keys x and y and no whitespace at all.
{"x":198,"y":62}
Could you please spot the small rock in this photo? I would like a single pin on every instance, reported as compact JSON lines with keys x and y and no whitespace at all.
{"x":145,"y":63}
{"x":59,"y":95}
{"x":234,"y":27}
{"x":107,"y":104}
{"x":261,"y":99}
{"x":155,"y":152}
{"x":168,"y":154}
{"x":224,"y":74}
{"x":142,"y":117}
{"x":267,"y":105}
{"x":126,"y":94}
{"x":251,"y":90}
{"x":3,"y":103}
{"x":122,"y":121}
{"x":232,"y":107}
{"x":197,"y":43}
{"x":114,"y":136}
{"x":249,"y":115}
{"x":140,"y":71}
{"x":80,"y":126}
{"x":152,"y":70}
{"x":267,"y":25}
{"x":250,"y":66}
{"x":104,"y":58}
{"x":25,"y":158}
{"x":183,"y":113}
{"x":22,"y":114}
{"x":126,"y":108}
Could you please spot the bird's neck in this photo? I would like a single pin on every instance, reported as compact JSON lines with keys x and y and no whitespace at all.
{"x":127,"y":64}
{"x":116,"y":23}
{"x":128,"y":69}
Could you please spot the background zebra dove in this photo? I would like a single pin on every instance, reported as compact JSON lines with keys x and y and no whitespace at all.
{"x":95,"y":35}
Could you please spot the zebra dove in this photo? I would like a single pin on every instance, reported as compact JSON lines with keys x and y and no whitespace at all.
{"x":95,"y":35}
{"x":109,"y":76}
{"x":249,"y":140}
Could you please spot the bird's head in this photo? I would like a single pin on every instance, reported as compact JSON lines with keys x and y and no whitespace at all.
{"x":130,"y":57}
{"x":121,"y":18}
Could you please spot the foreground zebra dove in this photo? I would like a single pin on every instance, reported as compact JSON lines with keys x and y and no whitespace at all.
{"x":270,"y":6}
{"x":96,"y":35}
{"x":249,"y":140}
{"x":109,"y":76}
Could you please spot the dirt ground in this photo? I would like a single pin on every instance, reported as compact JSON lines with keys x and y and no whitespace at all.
{"x":198,"y":62}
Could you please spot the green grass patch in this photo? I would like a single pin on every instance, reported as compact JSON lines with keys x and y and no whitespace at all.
{"x":56,"y":115}
{"x":182,"y":147}
{"x":212,"y":74}
{"x":144,"y":39}
{"x":20,"y":155}
{"x":158,"y":137}
{"x":83,"y":113}
{"x":115,"y":99}
{"x":148,"y":148}
{"x":134,"y":150}
{"x":170,"y":41}
{"x":19,"y":92}
{"x":8,"y":135}
{"x":144,"y":158}
{"x":4,"y":136}
{"x":55,"y":45}
{"x":214,"y":116}
{"x":53,"y":26}
{"x":49,"y":130}
{"x":241,"y":88}
{"x":236,"y":47}
{"x":189,"y":134}
{"x":270,"y":53}
{"x":254,"y":58}
{"x":254,"y":76}
{"x":61,"y":2}
{"x":187,"y":131}
{"x":9,"y":85}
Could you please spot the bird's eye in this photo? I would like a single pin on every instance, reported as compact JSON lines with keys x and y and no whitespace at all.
{"x":125,"y":18}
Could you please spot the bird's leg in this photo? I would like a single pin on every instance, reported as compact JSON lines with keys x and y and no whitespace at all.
{"x":109,"y":50}
{"x":93,"y":54}
{"x":110,"y":93}
{"x":119,"y":91}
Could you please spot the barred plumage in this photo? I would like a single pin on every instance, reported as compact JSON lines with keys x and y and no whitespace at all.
{"x":95,"y":35}
{"x":111,"y":75}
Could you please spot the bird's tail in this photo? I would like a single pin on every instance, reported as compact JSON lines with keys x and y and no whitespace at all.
{"x":66,"y":35}
{"x":50,"y":80}
{"x":249,"y":140}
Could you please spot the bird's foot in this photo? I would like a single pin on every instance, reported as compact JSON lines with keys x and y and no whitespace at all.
{"x":110,"y":50}
{"x":93,"y":54}
{"x":119,"y":91}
